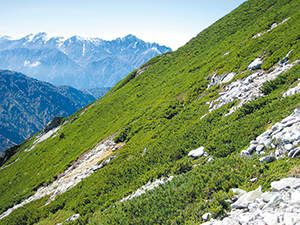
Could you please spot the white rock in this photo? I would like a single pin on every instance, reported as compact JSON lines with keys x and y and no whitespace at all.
{"x":297,"y":152}
{"x":290,"y":182}
{"x":73,"y":218}
{"x":260,"y":147}
{"x":253,"y":142}
{"x":270,"y":218}
{"x":206,"y":216}
{"x":253,"y":179}
{"x":228,"y":78}
{"x":288,"y":146}
{"x":295,"y":198}
{"x":238,"y":192}
{"x":274,"y":202}
{"x":291,"y":218}
{"x":197,"y":152}
{"x":266,"y":197}
{"x":255,"y":64}
{"x":245,"y":199}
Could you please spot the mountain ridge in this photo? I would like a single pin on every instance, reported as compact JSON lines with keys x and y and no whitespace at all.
{"x":72,"y":61}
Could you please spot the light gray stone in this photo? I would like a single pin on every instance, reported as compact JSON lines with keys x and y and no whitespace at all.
{"x":266,"y":197}
{"x":267,"y":159}
{"x":290,"y":182}
{"x":273,"y":145}
{"x":252,"y":206}
{"x":268,"y":142}
{"x":282,"y":208}
{"x":255,"y":64}
{"x":253,"y":142}
{"x":238,"y":192}
{"x":277,"y":153}
{"x":274,"y":202}
{"x":260,"y":147}
{"x":291,"y":153}
{"x":251,"y":148}
{"x":270,"y":218}
{"x":210,"y":159}
{"x":291,"y":218}
{"x":245,"y":199}
{"x":295,"y":197}
{"x":230,"y":221}
{"x":288,"y":146}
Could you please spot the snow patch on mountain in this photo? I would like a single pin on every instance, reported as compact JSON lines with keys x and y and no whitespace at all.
{"x":28,"y":64}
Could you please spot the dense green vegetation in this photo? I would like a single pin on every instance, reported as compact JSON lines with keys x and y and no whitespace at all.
{"x":160,"y":110}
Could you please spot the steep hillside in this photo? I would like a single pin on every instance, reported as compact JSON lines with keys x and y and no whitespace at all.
{"x":83,"y":63}
{"x":27,"y":105}
{"x":220,"y":92}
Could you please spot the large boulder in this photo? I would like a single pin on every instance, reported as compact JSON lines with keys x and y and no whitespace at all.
{"x":246,"y":199}
{"x":290,"y":182}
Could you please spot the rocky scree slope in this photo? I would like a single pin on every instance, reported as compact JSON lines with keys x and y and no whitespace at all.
{"x":158,"y":111}
{"x":83,"y":63}
{"x":28,"y":104}
{"x":280,"y":205}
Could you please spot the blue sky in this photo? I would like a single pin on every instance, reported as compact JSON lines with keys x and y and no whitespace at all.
{"x":167,"y":22}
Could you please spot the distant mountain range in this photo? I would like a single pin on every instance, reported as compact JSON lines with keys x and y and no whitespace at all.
{"x":26,"y":105}
{"x":83,"y":63}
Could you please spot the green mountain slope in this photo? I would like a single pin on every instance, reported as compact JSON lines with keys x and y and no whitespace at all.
{"x":158,"y":112}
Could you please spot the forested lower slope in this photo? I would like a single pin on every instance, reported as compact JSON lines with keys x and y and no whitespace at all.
{"x":162,"y":111}
{"x":27,"y":104}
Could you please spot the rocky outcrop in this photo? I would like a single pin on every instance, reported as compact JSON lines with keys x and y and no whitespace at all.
{"x":292,"y":91}
{"x":285,"y":60}
{"x":282,"y":140}
{"x":222,"y":79}
{"x":53,"y":123}
{"x":281,"y":205}
{"x":147,"y":187}
{"x":4,"y":156}
{"x":85,"y":165}
{"x":274,"y":25}
{"x":141,"y":70}
{"x":247,"y":89}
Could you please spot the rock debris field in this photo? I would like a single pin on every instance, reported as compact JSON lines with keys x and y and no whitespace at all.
{"x":82,"y":168}
{"x":280,"y":140}
{"x":246,"y":90}
{"x":279,"y":206}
